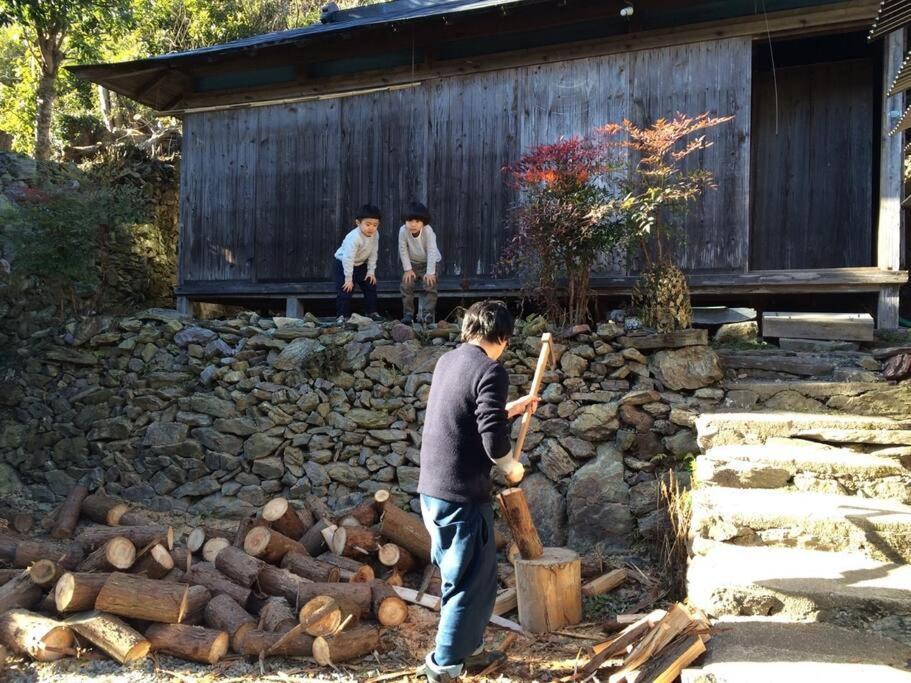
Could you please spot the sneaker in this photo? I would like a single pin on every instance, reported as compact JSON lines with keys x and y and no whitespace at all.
{"x":407,"y":319}
{"x":429,"y":318}
{"x":478,"y":662}
{"x":376,"y":317}
{"x":340,"y":320}
{"x":437,"y":676}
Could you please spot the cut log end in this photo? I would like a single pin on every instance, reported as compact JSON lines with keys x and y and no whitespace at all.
{"x":213,"y":546}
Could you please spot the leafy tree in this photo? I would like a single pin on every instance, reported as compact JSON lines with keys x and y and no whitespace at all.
{"x":56,"y":30}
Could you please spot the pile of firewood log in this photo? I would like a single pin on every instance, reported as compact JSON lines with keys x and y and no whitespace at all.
{"x":290,"y":582}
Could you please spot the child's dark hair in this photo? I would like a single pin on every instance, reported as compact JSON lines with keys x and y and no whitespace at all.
{"x":417,"y":212}
{"x":488,"y":321}
{"x":368,"y":211}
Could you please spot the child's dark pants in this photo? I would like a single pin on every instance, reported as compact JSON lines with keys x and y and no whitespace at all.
{"x":343,"y":298}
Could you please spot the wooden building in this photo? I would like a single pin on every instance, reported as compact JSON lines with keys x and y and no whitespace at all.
{"x":286,"y":134}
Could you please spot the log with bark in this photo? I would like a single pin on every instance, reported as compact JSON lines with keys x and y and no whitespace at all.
{"x":318,"y":508}
{"x":67,"y":516}
{"x":324,"y":615}
{"x":277,"y":616}
{"x":8,"y":575}
{"x":269,"y":545}
{"x":77,"y":591}
{"x":35,"y":636}
{"x":206,"y":574}
{"x":68,"y":556}
{"x":238,"y":565}
{"x":197,"y":599}
{"x":44,"y":573}
{"x":356,"y":542}
{"x":111,"y":635}
{"x":311,"y":568}
{"x":360,"y":594}
{"x":515,"y":510}
{"x":393,"y":555}
{"x":507,"y":601}
{"x":212,"y":547}
{"x":350,"y":569}
{"x":195,"y":643}
{"x":156,"y":563}
{"x":104,"y":509}
{"x":346,"y":645}
{"x":294,"y":643}
{"x":224,"y":614}
{"x":278,"y":581}
{"x":117,"y":553}
{"x":313,"y":539}
{"x":140,"y":536}
{"x":549,"y":590}
{"x":243,"y":527}
{"x":403,"y":528}
{"x":199,"y":535}
{"x":388,"y":608}
{"x":182,"y":557}
{"x":137,"y":597}
{"x":281,"y":516}
{"x":604,"y":583}
{"x":364,"y":515}
{"x":20,"y":591}
{"x":135,"y":518}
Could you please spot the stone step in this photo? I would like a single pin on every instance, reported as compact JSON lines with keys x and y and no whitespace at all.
{"x":820,"y":396}
{"x":847,"y":588}
{"x":724,"y":429}
{"x":805,"y":466}
{"x":760,"y":650}
{"x":771,"y":517}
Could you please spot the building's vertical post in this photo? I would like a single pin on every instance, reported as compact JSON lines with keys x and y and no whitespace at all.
{"x":890,"y":228}
{"x":294,"y":307}
{"x":184,"y":307}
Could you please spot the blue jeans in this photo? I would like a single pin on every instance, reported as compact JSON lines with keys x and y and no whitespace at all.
{"x":343,"y":298}
{"x":463,"y":547}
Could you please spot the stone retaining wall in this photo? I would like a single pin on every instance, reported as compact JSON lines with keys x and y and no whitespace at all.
{"x":216,"y":417}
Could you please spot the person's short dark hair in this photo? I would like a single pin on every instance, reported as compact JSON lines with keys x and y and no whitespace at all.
{"x":368,"y":211}
{"x":416,"y":212}
{"x":489,"y":321}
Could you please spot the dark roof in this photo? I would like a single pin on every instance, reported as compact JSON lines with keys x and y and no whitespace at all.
{"x":892,"y":15}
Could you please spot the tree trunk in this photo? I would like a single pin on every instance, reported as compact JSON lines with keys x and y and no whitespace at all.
{"x":136,"y":597}
{"x":325,"y":614}
{"x":277,"y":616}
{"x":29,"y":552}
{"x":196,"y":643}
{"x":68,"y":515}
{"x":269,"y":545}
{"x":110,"y":634}
{"x":206,"y":574}
{"x":20,"y":591}
{"x":35,"y":636}
{"x":276,"y":581}
{"x":388,"y":607}
{"x":46,"y":95}
{"x":77,"y":592}
{"x":226,"y":615}
{"x":346,"y":645}
{"x":518,"y":517}
{"x":311,"y":568}
{"x":238,"y":566}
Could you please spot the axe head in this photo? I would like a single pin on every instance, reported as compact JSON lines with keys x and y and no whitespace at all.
{"x":547,"y":339}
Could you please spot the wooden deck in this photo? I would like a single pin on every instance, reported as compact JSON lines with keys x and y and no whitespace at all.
{"x":757,"y":282}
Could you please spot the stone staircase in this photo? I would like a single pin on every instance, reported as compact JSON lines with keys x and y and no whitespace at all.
{"x":801,"y":546}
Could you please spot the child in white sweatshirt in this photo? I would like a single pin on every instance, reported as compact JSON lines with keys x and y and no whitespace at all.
{"x":355,"y":263}
{"x":419,"y":255}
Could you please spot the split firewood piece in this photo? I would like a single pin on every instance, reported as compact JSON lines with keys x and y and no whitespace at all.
{"x":403,"y":528}
{"x":313,"y":539}
{"x":35,"y":636}
{"x":620,"y":622}
{"x":67,"y":516}
{"x":394,"y":578}
{"x":277,"y":581}
{"x":294,"y":643}
{"x":356,"y":542}
{"x":507,"y":600}
{"x":351,"y":570}
{"x":67,"y":556}
{"x":324,"y":615}
{"x":675,"y":621}
{"x":238,"y":566}
{"x":206,"y":574}
{"x":311,"y":568}
{"x":512,"y":552}
{"x":318,"y":507}
{"x":243,"y":527}
{"x":117,"y":553}
{"x":277,"y":616}
{"x":77,"y":591}
{"x":285,"y":519}
{"x":199,"y":535}
{"x":212,"y":547}
{"x":604,"y":583}
{"x":364,"y":515}
{"x":518,"y":517}
{"x":346,"y":645}
{"x":195,"y":643}
{"x":111,"y":635}
{"x":104,"y":509}
{"x":155,"y":564}
{"x":140,"y":536}
{"x":392,"y":555}
{"x":506,"y":573}
{"x":388,"y":607}
{"x":44,"y":573}
{"x":269,"y":545}
{"x":593,"y":565}
{"x":20,"y":591}
{"x":224,"y":614}
{"x":136,"y":597}
{"x":617,"y":646}
{"x":328,"y":534}
{"x":666,"y":666}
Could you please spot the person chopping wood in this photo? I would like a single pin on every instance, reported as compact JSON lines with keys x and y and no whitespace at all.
{"x":466,"y":430}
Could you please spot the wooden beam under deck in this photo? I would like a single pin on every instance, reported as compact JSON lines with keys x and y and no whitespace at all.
{"x":830,"y":280}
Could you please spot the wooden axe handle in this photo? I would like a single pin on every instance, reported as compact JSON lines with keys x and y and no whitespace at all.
{"x":544,"y":357}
